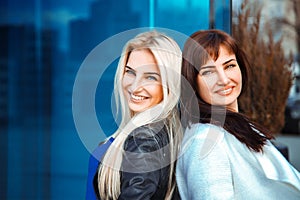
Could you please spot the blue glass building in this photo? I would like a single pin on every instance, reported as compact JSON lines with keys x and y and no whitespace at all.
{"x":44,"y":154}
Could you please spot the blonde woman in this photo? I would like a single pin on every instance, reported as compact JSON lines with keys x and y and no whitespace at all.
{"x":140,"y":162}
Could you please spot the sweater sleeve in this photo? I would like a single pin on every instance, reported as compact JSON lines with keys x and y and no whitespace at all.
{"x":203,"y":168}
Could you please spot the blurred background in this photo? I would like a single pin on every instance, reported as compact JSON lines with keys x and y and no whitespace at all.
{"x":43,"y":44}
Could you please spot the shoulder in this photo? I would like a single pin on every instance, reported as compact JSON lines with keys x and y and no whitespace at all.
{"x":147,"y":138}
{"x":149,"y":130}
{"x":202,"y":138}
{"x":204,"y":163}
{"x":200,"y":132}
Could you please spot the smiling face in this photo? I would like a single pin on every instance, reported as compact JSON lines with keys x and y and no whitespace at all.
{"x":142,"y":81}
{"x":220,"y":82}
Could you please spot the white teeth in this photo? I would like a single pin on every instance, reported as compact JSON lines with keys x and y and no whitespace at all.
{"x":226,"y":91}
{"x":138,"y":98}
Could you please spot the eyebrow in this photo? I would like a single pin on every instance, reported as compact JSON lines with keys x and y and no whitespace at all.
{"x":207,"y":66}
{"x":149,"y":73}
{"x":228,"y":61}
{"x":213,"y":66}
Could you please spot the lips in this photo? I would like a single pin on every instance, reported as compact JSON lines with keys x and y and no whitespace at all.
{"x":225,"y":91}
{"x":137,"y":98}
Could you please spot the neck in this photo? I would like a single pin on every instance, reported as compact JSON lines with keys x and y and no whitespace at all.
{"x":233,"y":107}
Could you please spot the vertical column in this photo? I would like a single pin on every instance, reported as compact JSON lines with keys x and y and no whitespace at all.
{"x":220,"y":16}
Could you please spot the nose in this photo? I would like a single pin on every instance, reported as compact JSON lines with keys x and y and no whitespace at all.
{"x":222,"y":77}
{"x":136,"y":85}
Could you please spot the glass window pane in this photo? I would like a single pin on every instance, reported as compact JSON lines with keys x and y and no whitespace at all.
{"x":45,"y":42}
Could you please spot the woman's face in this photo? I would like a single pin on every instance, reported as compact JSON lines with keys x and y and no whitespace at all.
{"x":142,"y":81}
{"x":220,"y":82}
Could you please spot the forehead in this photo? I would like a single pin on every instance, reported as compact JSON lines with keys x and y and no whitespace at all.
{"x":224,"y":55}
{"x":142,"y":59}
{"x":225,"y":51}
{"x":214,"y":50}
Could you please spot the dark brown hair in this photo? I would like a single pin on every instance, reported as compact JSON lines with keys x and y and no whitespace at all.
{"x":198,"y":49}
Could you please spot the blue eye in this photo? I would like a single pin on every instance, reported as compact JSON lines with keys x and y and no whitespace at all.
{"x":152,"y":78}
{"x":230,"y":66}
{"x":207,"y":72}
{"x":129,"y":71}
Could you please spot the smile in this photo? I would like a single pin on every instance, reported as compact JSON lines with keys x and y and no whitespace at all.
{"x":137,"y":98}
{"x":225,"y":92}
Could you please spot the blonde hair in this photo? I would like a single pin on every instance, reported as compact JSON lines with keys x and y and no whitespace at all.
{"x":168,"y":57}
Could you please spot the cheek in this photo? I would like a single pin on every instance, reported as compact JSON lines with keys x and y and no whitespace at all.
{"x":125,"y":82}
{"x":124,"y":87}
{"x":205,"y":93}
{"x":238,"y":79}
{"x":160,"y":92}
{"x":237,"y":74}
{"x":204,"y":88}
{"x":240,"y":84}
{"x":157,"y":92}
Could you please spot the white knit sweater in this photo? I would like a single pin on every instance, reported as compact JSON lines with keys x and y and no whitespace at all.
{"x":213,"y":164}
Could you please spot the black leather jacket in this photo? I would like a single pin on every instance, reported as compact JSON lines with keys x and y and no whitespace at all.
{"x":145,"y":164}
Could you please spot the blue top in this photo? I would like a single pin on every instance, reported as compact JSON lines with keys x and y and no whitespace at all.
{"x":94,"y":161}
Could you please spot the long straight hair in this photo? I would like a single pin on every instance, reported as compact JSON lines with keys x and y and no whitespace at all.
{"x":168,"y":57}
{"x":198,"y":50}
